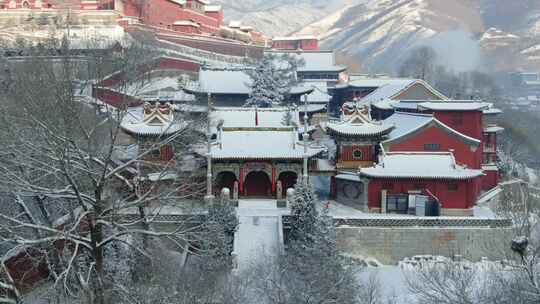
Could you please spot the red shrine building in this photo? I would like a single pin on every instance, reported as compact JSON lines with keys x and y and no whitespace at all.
{"x":306,"y":43}
{"x":444,"y":151}
{"x":186,"y":16}
{"x":256,"y":154}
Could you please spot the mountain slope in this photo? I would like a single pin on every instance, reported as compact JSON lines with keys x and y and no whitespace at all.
{"x":379,"y":32}
{"x":281,"y":17}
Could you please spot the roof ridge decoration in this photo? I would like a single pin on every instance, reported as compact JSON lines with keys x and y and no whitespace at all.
{"x":356,"y":121}
{"x":157,"y":114}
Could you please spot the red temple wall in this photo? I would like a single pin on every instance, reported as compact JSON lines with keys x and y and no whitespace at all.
{"x":347,"y":153}
{"x":434,"y":135}
{"x":466,"y":122}
{"x":463,"y":198}
{"x":490,"y":180}
{"x":163,"y":13}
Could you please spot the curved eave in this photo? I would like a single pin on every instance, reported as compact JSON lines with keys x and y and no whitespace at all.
{"x":138,"y":133}
{"x":435,"y":177}
{"x":353,"y":134}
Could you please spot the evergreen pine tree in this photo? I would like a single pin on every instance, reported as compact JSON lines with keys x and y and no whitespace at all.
{"x":313,"y":255}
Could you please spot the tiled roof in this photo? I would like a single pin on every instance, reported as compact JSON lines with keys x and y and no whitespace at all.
{"x":360,"y":124}
{"x":423,"y":165}
{"x":133,"y":123}
{"x":409,"y":123}
{"x":245,"y":117}
{"x":229,"y":82}
{"x":392,"y":87}
{"x":260,"y":144}
{"x":454,"y":106}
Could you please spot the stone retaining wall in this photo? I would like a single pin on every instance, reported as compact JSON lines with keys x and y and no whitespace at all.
{"x":389,"y":245}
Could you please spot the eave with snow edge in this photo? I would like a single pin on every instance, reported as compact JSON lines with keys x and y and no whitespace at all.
{"x":420,"y":165}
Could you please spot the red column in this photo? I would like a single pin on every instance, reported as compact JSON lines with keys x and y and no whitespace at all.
{"x":273,"y":179}
{"x":241,"y":182}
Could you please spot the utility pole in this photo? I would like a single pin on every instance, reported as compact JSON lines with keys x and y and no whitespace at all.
{"x":209,"y":196}
{"x":305,"y":141}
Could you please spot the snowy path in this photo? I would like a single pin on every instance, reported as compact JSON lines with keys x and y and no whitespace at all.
{"x":258,"y":234}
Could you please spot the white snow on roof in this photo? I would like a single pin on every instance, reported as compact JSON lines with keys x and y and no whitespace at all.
{"x":235,"y":24}
{"x":212,"y":8}
{"x":429,"y":165}
{"x":186,"y":22}
{"x":455,"y":106}
{"x":314,"y":107}
{"x":133,"y":122}
{"x":367,"y":129}
{"x":379,"y":82}
{"x":158,"y":87}
{"x":388,"y":87}
{"x":261,"y":144}
{"x":406,"y":123}
{"x":386,"y":104}
{"x":229,"y":82}
{"x":493,"y":129}
{"x":492,"y":111}
{"x":360,"y":124}
{"x":320,"y":92}
{"x":245,"y":117}
{"x":349,"y":177}
{"x":406,"y":105}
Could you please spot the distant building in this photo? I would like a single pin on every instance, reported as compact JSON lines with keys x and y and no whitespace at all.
{"x":306,"y":43}
{"x":231,"y":87}
{"x":370,"y":91}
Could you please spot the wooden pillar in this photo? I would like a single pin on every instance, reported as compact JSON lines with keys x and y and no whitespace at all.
{"x":273,"y":179}
{"x":241,"y":181}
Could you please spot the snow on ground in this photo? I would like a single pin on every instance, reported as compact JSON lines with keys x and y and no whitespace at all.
{"x":258,"y":234}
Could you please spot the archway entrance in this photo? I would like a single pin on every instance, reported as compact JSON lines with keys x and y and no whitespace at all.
{"x":288,"y":180}
{"x":225,"y":179}
{"x":257,"y":184}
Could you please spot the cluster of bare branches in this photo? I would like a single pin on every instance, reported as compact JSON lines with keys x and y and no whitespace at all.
{"x":66,"y":195}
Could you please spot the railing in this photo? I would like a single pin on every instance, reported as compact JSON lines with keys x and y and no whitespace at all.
{"x":418,"y":222}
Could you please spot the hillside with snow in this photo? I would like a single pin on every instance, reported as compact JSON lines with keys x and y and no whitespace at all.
{"x":467,"y":34}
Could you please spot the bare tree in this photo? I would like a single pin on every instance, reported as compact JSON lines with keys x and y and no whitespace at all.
{"x":66,"y":195}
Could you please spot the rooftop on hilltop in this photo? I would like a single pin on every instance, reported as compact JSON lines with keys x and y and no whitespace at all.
{"x":423,"y":165}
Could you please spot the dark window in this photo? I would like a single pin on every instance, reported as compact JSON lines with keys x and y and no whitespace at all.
{"x":397,"y":204}
{"x":432,"y":147}
{"x":452,"y":187}
{"x":357,"y":154}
